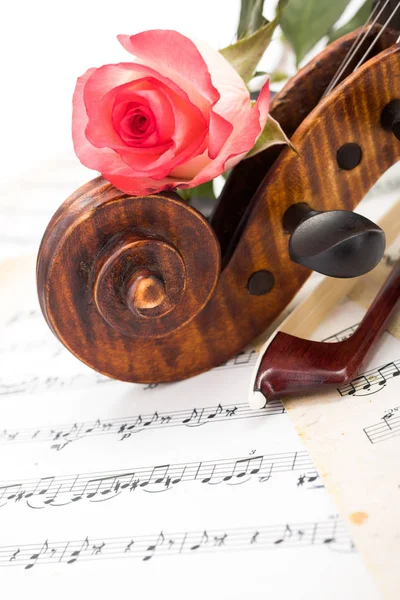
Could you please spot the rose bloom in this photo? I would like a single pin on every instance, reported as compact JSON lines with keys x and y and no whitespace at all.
{"x":176,"y":117}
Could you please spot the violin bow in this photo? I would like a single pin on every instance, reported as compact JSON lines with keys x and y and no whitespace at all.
{"x":289,"y":364}
{"x":145,"y":289}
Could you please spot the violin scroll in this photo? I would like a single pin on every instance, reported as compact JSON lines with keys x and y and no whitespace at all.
{"x":133,"y":285}
{"x":114,"y":270}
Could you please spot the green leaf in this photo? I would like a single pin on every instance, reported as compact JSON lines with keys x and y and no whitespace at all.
{"x":245,"y":54}
{"x":358,"y":20}
{"x":251,"y":17}
{"x":271,"y":134}
{"x":305,"y":22}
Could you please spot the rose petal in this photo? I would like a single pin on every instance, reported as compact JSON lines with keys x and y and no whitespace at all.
{"x":190,"y":126}
{"x":175,"y":56}
{"x":240,"y":142}
{"x":189,"y":139}
{"x":99,"y":159}
{"x":198,"y":132}
{"x":153,"y":94}
{"x":99,"y":96}
{"x":234,"y":95}
{"x":139,"y":185}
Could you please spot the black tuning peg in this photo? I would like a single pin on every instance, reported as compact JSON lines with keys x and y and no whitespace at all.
{"x":338,"y":243}
{"x":390,"y":117}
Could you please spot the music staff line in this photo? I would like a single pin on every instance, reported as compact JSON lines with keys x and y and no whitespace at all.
{"x":46,"y":383}
{"x":330,"y":533}
{"x":60,"y":436}
{"x":371,"y":381}
{"x":246,"y":357}
{"x":98,"y":487}
{"x":342,"y":335}
{"x":387,"y":428}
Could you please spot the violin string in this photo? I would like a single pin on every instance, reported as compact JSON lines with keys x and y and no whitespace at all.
{"x":371,"y":21}
{"x":384,"y":26}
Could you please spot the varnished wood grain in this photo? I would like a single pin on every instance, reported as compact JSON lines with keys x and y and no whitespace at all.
{"x":293,"y":365}
{"x":290,"y":107}
{"x":85,"y":290}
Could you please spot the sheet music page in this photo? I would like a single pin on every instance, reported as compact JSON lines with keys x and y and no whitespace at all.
{"x":112,"y":489}
{"x":353,"y":436}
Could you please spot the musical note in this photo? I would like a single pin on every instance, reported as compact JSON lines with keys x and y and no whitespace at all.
{"x":371,"y":381}
{"x":137,"y":423}
{"x":153,"y":419}
{"x":307,"y":479}
{"x":111,"y":484}
{"x":210,"y":476}
{"x":363,"y":382}
{"x":388,"y":415}
{"x":203,"y":540}
{"x":42,"y":487}
{"x":331,"y":534}
{"x":194,"y":415}
{"x":34,"y":558}
{"x":151,"y":549}
{"x":14,"y":488}
{"x":387,"y":428}
{"x":89,"y":430}
{"x":218,"y":411}
{"x":286,"y":534}
{"x":391,"y":371}
{"x":124,"y":428}
{"x":246,"y":466}
{"x":347,"y":390}
{"x":383,"y":379}
{"x":331,"y":539}
{"x":77,"y":553}
{"x":157,"y":476}
{"x":58,"y":491}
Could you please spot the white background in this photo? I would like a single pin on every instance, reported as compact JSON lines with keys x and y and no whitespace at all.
{"x":45,"y":45}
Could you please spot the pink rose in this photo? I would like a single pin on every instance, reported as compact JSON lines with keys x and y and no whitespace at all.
{"x":178,"y":117}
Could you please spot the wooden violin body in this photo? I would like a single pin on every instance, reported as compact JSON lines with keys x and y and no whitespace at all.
{"x":147,"y":290}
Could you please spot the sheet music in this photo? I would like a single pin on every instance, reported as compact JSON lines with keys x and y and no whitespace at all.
{"x":352,"y":433}
{"x":112,"y":489}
